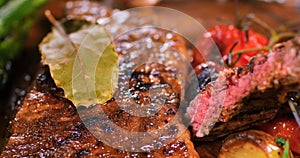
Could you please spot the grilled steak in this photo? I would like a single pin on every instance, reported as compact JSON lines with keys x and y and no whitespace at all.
{"x":239,"y":99}
{"x":48,"y":125}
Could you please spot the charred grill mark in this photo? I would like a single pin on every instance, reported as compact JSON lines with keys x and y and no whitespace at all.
{"x":170,"y":112}
{"x":118,"y":113}
{"x":142,"y":78}
{"x":82,"y":152}
{"x":140,"y":86}
{"x":61,"y":142}
{"x":243,"y":120}
{"x":61,"y":127}
{"x":99,"y":143}
{"x":74,"y":135}
{"x":79,"y":127}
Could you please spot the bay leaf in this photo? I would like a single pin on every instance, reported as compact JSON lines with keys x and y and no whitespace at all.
{"x":83,"y":63}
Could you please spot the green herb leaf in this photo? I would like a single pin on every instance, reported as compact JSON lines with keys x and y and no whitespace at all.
{"x":286,"y":149}
{"x":83,"y":63}
{"x":280,"y":141}
{"x":286,"y":145}
{"x":16,"y":17}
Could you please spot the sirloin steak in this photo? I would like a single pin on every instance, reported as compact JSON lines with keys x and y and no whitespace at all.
{"x":48,"y":125}
{"x":241,"y":98}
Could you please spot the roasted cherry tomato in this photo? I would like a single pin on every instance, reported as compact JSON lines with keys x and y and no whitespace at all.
{"x":225,"y":37}
{"x":286,"y":127}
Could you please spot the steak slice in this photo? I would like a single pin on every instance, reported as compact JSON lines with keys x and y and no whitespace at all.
{"x":48,"y":125}
{"x":239,"y":99}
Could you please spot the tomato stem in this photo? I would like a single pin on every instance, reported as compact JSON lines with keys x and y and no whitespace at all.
{"x":251,"y":50}
{"x":235,"y":61}
{"x":253,"y":18}
{"x":229,"y":59}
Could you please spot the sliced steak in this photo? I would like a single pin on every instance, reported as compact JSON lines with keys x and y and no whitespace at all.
{"x":239,"y":99}
{"x":48,"y":125}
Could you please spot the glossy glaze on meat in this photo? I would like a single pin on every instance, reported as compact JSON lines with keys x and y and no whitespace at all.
{"x":49,"y":125}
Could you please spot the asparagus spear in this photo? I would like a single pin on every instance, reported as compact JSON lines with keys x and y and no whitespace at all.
{"x":2,"y":2}
{"x":16,"y":17}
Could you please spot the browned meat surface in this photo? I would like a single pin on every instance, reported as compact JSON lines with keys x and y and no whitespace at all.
{"x":240,"y":99}
{"x":86,"y":10}
{"x":49,"y":125}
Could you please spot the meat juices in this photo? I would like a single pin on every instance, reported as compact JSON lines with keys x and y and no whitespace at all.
{"x":47,"y":124}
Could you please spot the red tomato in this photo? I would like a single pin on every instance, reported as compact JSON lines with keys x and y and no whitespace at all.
{"x":225,"y":36}
{"x":286,"y":127}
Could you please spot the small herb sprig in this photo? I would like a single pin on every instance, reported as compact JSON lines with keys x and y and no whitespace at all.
{"x":286,"y":145}
{"x":276,"y":36}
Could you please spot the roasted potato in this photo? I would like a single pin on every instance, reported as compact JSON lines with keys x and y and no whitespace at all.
{"x":251,"y":144}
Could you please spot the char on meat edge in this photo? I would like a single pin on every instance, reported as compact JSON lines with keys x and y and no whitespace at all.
{"x":241,"y":98}
{"x":47,"y":124}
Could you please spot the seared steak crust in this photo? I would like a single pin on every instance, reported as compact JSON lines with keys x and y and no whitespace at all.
{"x":49,"y":125}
